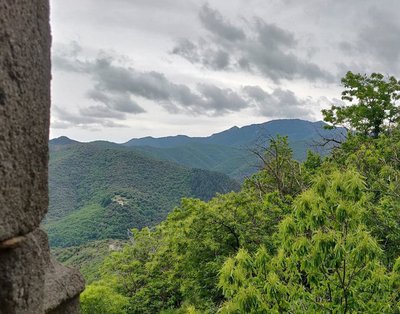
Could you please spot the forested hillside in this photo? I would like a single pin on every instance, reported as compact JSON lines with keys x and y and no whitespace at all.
{"x":295,"y":129}
{"x":231,"y":151}
{"x":101,"y":190}
{"x":319,"y":236}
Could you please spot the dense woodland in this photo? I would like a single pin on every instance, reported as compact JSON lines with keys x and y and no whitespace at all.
{"x":101,"y":190}
{"x":320,"y":236}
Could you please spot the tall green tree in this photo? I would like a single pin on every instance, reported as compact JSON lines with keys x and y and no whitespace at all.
{"x":327,"y":262}
{"x":373,"y":104}
{"x":280,"y":172}
{"x":378,"y":161}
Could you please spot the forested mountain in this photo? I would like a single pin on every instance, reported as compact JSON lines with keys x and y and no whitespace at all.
{"x":230,"y":151}
{"x":295,"y":129}
{"x":101,"y":190}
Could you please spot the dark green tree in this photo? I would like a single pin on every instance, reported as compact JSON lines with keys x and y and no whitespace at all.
{"x":373,"y":106}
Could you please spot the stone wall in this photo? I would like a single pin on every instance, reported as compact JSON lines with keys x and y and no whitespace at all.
{"x":30,"y":281}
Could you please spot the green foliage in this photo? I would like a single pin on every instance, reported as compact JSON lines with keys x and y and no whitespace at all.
{"x":102,"y":190}
{"x":177,"y":264}
{"x":233,"y":161}
{"x":373,"y":104}
{"x":100,"y":298}
{"x":327,"y":261}
{"x":377,"y":160}
{"x":280,"y":172}
{"x":87,"y":258}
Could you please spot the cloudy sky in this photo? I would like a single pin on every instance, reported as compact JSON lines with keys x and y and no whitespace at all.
{"x":132,"y":68}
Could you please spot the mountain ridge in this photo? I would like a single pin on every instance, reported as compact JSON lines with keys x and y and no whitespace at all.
{"x":182,"y":137}
{"x":229,"y":151}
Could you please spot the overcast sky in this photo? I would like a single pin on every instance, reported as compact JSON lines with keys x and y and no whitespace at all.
{"x":132,"y":68}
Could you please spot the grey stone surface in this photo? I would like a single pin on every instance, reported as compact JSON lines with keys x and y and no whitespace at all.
{"x":22,"y":275}
{"x":67,"y":307}
{"x":30,"y":282}
{"x":61,"y":285}
{"x":24,"y":114}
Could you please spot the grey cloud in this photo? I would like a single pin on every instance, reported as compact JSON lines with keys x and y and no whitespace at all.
{"x":381,"y":37}
{"x":279,"y":104}
{"x":216,"y":59}
{"x":62,"y":55}
{"x":150,"y":85}
{"x":277,"y":65}
{"x":62,"y":63}
{"x":187,"y":49}
{"x":216,"y":24}
{"x":267,"y":49}
{"x":60,"y":125}
{"x":100,"y":111}
{"x":114,"y":86}
{"x":273,"y":37}
{"x":376,"y":41}
{"x":121,"y":102}
{"x":346,"y":47}
{"x":221,"y":60}
{"x":66,"y":119}
{"x":221,"y":100}
{"x":356,"y":67}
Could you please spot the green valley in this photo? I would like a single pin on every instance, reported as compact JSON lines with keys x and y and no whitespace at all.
{"x":102,"y":190}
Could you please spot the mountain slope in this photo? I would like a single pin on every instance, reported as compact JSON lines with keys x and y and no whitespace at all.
{"x":233,"y":161}
{"x":229,"y":151}
{"x":295,"y":129}
{"x":101,"y":190}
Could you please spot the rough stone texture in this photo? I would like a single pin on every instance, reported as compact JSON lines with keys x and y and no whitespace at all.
{"x":68,"y":307}
{"x":24,"y":114}
{"x":61,"y":285}
{"x":30,"y":281}
{"x":22,"y":277}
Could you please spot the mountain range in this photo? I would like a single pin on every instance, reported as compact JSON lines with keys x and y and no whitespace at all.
{"x":99,"y":191}
{"x":230,"y":151}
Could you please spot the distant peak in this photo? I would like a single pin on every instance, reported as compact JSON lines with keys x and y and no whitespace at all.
{"x":62,"y":140}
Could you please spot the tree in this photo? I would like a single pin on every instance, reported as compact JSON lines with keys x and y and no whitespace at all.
{"x":373,"y":105}
{"x":378,"y":161}
{"x":279,"y":172}
{"x":176,"y":264}
{"x":101,"y":298}
{"x":327,"y":263}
